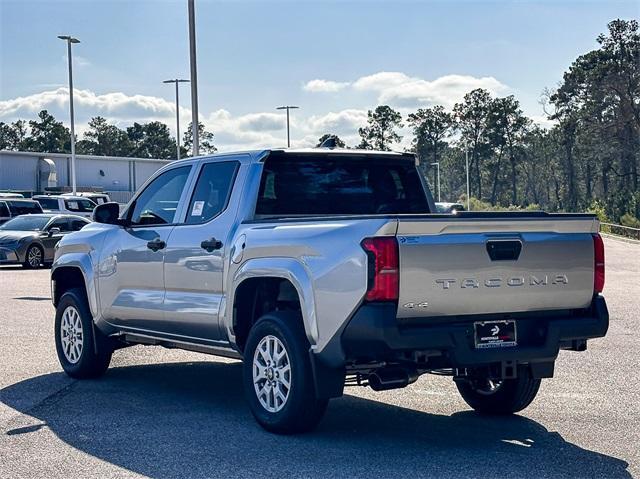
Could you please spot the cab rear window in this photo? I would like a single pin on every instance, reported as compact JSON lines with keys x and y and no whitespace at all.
{"x":346,"y":185}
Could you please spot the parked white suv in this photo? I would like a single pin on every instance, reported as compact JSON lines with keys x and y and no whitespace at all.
{"x":75,"y":205}
{"x":97,"y":198}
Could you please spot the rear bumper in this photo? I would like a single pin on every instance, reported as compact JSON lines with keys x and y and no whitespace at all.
{"x":374,"y":333}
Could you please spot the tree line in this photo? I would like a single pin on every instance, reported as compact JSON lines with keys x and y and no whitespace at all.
{"x":141,"y":140}
{"x":588,"y":159}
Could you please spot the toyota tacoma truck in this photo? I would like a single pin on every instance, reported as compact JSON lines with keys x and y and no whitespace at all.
{"x":324,"y":268}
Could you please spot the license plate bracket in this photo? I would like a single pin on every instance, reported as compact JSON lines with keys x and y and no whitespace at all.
{"x":495,"y":334}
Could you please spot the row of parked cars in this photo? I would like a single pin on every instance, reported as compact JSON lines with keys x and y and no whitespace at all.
{"x":30,"y":228}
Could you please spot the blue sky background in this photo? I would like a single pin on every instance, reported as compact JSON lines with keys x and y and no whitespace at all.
{"x":254,"y":56}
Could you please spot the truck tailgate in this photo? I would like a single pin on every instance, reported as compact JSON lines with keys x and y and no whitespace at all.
{"x":484,"y":264}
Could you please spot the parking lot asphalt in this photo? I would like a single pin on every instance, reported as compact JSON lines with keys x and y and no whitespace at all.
{"x":167,"y":413}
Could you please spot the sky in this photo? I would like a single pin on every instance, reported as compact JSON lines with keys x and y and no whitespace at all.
{"x":335,"y":60}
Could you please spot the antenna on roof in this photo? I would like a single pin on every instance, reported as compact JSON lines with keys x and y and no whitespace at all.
{"x":330,"y":142}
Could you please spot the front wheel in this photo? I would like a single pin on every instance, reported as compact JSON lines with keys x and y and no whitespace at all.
{"x":79,"y":354}
{"x":34,"y":257}
{"x":499,"y":397}
{"x":277,"y":375}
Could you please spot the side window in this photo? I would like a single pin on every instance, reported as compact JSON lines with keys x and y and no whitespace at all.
{"x":49,"y":203}
{"x":62,"y":223}
{"x":4,"y":210}
{"x":158,"y":203}
{"x":212,"y":191}
{"x":82,"y":205}
{"x":77,"y":225}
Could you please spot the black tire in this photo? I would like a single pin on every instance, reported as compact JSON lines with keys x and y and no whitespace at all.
{"x":302,"y":410}
{"x":33,"y":249}
{"x":511,"y":396}
{"x":94,"y":356}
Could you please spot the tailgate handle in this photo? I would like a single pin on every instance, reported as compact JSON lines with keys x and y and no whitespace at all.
{"x":504,"y":250}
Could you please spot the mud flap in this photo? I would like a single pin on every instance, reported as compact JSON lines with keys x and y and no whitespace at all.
{"x":328,"y":381}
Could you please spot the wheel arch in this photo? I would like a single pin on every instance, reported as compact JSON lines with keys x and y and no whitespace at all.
{"x":74,"y":272}
{"x":272,"y":279}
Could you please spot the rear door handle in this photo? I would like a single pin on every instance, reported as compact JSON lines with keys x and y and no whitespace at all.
{"x":156,"y":244}
{"x":211,"y":245}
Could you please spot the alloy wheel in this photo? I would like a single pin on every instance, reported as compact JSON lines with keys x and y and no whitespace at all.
{"x":271,"y":374}
{"x":34,"y":257}
{"x":71,"y":334}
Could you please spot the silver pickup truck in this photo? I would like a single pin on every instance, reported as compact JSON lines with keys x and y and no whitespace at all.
{"x":321,"y":268}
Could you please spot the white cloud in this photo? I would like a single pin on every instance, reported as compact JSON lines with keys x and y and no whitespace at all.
{"x":324,"y":86}
{"x":117,"y":104}
{"x":401,"y":90}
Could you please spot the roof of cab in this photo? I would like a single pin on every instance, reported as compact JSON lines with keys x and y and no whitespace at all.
{"x":259,"y":155}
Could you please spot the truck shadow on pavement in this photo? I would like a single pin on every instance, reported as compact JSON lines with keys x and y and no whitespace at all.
{"x":190,"y":419}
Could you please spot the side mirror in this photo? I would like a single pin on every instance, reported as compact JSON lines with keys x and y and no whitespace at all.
{"x":107,"y":213}
{"x":53,"y":231}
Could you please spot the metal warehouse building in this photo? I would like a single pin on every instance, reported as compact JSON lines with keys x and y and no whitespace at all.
{"x":31,"y":172}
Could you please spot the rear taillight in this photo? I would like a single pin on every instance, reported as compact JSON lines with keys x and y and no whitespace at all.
{"x":383,"y":268}
{"x":598,"y":263}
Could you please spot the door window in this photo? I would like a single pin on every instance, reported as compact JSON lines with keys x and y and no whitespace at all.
{"x":82,"y":205}
{"x":4,"y":210}
{"x":49,"y":203}
{"x":77,"y":225}
{"x":61,"y":223}
{"x":212,"y":191}
{"x":158,"y":203}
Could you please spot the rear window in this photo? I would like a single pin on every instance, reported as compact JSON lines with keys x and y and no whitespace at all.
{"x":23,"y":207}
{"x":300,"y":186}
{"x":49,"y":203}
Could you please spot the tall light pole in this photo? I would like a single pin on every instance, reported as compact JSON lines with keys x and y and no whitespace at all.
{"x":195,"y":124}
{"x":69,"y":39}
{"x":288,"y":107}
{"x":466,"y":158}
{"x":437,"y":165}
{"x":176,"y":81}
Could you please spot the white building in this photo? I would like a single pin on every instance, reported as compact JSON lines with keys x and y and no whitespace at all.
{"x":26,"y":171}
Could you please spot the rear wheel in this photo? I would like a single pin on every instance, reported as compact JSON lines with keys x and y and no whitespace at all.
{"x":506,"y":396}
{"x":34,"y":257}
{"x":278,"y":379}
{"x":79,"y":354}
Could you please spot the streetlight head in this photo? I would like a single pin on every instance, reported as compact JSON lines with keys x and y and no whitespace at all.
{"x":68,"y":38}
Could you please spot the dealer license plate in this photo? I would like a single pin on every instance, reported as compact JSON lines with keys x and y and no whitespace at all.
{"x":495,"y":334}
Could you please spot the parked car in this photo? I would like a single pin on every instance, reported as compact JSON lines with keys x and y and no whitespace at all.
{"x":97,"y":198}
{"x":30,"y":239}
{"x":76,"y":205}
{"x":11,"y":195}
{"x":322,"y":267}
{"x":449,"y":207}
{"x":10,"y":208}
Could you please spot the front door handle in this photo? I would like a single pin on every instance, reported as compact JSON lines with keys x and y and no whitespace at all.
{"x":156,"y":244}
{"x":211,"y":245}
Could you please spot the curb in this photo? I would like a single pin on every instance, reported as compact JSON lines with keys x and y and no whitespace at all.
{"x":620,"y":238}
